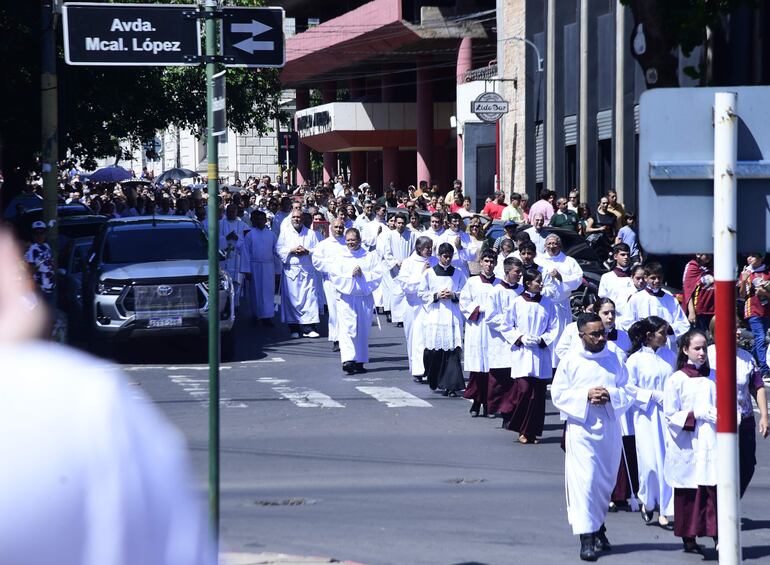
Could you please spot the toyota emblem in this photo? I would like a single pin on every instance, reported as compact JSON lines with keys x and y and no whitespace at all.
{"x":165,"y":290}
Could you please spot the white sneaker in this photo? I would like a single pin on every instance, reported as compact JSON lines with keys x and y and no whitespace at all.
{"x":312,"y":333}
{"x":294,"y":335}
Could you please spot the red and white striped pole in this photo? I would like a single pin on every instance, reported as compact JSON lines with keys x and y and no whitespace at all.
{"x":725,"y":267}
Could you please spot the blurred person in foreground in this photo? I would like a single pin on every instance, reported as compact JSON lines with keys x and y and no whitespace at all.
{"x":98,"y":477}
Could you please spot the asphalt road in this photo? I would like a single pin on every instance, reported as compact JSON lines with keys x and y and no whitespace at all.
{"x":378,"y":469}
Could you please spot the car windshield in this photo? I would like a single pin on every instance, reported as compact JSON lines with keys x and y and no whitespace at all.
{"x":158,"y":243}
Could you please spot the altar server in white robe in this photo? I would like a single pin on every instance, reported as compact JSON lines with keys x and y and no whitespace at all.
{"x":474,"y":300}
{"x":379,"y":249}
{"x":299,"y":301}
{"x":356,"y":273}
{"x":589,"y":389}
{"x":565,"y":276}
{"x":442,"y":323}
{"x":232,"y":232}
{"x":618,"y":284}
{"x":409,"y":279}
{"x":324,"y":256}
{"x":460,"y":242}
{"x":500,"y":301}
{"x":533,"y":328}
{"x":689,"y":404}
{"x":436,"y":230}
{"x":654,"y":301}
{"x":369,"y":234}
{"x":650,"y":363}
{"x":258,"y":266}
{"x":397,"y":246}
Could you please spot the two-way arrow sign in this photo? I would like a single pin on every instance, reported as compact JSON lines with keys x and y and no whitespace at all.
{"x":265,"y":45}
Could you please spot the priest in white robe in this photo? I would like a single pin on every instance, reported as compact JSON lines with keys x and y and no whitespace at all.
{"x":562,"y":275}
{"x":409,"y":279}
{"x":618,"y":284}
{"x":324,"y":257}
{"x":356,"y":273}
{"x":258,"y":267}
{"x":589,"y":390}
{"x":384,"y":291}
{"x":396,"y":247}
{"x":232,"y":232}
{"x":460,"y":242}
{"x":474,"y":299}
{"x":299,"y":301}
{"x":435,"y":231}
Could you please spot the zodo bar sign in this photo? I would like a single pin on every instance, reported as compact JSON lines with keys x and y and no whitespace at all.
{"x":489,"y":107}
{"x":130,"y":34}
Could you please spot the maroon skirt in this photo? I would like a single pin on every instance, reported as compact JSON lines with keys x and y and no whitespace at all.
{"x":498,"y":395}
{"x":695,"y":512}
{"x":623,"y":489}
{"x":477,"y":387}
{"x":528,"y":406}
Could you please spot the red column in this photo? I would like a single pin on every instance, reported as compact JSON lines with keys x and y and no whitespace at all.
{"x":424,"y":121}
{"x":357,"y":168}
{"x":464,"y":64}
{"x":329,"y":94}
{"x":303,"y":151}
{"x":389,"y":166}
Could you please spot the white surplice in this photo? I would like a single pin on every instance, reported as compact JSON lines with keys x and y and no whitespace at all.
{"x":475,"y":295}
{"x":299,"y":301}
{"x":461,"y":256}
{"x":442,"y":322}
{"x":499,"y":302}
{"x":644,"y":304}
{"x":258,"y":259}
{"x":355,"y":304}
{"x":383,"y":295}
{"x":536,"y":319}
{"x":647,"y":373}
{"x":691,"y":457}
{"x":617,"y":288}
{"x":323,"y":258}
{"x":593,"y":436}
{"x":396,"y":248}
{"x":559,"y":291}
{"x":410,"y":279}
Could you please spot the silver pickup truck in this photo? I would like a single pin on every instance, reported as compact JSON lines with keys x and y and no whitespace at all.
{"x":148,"y":276}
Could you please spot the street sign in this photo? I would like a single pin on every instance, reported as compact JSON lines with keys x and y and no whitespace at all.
{"x":489,"y":107}
{"x":676,"y":169}
{"x":288,"y":147}
{"x":252,"y":37}
{"x":219,"y":104}
{"x":130,"y":34}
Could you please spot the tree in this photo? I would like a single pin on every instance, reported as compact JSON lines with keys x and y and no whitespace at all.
{"x":99,"y":106}
{"x":660,"y":26}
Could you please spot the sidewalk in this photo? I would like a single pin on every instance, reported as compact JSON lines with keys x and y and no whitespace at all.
{"x":276,"y":559}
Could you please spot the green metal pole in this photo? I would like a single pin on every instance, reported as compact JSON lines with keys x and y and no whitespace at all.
{"x":49,"y":111}
{"x":210,"y":7}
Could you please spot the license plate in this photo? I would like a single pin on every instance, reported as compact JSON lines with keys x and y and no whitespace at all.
{"x":164,"y":322}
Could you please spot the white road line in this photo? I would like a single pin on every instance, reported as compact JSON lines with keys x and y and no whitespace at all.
{"x":167,"y":368}
{"x":272,"y":381}
{"x":307,"y":398}
{"x":271,"y":360}
{"x":198,"y":389}
{"x":394,"y":397}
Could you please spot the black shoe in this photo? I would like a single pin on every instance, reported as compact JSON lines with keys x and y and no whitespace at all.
{"x":452,"y":394}
{"x":400,"y":324}
{"x":646,"y":515}
{"x":484,"y":412}
{"x":268,"y":323}
{"x":691,"y":546}
{"x":335,"y":346}
{"x":444,"y":393}
{"x":601,"y":543}
{"x":418,"y":380}
{"x":475,"y":409}
{"x":349,"y":367}
{"x":388,"y":318}
{"x":359,"y":368}
{"x":587,"y":552}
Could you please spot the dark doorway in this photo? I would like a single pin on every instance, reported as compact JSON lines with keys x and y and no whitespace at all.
{"x":605,"y":166}
{"x":485,"y":174}
{"x":570,"y":168}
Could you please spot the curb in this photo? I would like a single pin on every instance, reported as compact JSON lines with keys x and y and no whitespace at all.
{"x":276,"y":559}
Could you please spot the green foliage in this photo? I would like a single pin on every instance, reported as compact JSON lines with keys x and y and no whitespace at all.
{"x":101,"y":105}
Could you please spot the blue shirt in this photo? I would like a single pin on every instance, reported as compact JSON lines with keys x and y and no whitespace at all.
{"x":628,"y":236}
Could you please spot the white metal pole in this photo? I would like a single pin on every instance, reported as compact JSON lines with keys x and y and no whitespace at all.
{"x":725,"y":266}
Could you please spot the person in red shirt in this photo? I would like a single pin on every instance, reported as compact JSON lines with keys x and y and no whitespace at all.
{"x":494,"y":209}
{"x":754,"y":287}
{"x":698,"y":285}
{"x":457,"y":204}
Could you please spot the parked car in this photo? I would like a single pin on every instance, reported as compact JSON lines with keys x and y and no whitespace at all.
{"x":72,"y":262}
{"x":149,"y":277}
{"x":23,"y":223}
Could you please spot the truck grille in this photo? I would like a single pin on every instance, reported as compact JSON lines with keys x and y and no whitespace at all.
{"x":151,"y":301}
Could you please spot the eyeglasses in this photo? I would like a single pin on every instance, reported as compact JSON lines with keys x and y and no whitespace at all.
{"x":597,"y":333}
{"x":474,"y":227}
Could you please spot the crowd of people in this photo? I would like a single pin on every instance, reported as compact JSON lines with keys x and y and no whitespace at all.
{"x":635,"y":359}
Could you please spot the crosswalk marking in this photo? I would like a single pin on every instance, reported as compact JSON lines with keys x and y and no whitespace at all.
{"x":394,"y":397}
{"x":272,"y":381}
{"x":271,"y":360}
{"x":198,"y":388}
{"x":307,"y":398}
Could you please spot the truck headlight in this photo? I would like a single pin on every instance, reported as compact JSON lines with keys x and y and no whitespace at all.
{"x":109,"y":287}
